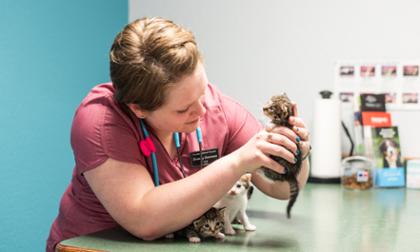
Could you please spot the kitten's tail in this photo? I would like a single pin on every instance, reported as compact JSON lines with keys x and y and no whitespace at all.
{"x":294,"y":192}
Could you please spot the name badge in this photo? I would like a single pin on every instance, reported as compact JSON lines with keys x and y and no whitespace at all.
{"x":207,"y":156}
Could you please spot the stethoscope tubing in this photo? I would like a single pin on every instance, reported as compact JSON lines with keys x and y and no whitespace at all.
{"x":178,"y":150}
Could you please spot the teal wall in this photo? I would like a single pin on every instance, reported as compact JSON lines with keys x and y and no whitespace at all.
{"x":51,"y":53}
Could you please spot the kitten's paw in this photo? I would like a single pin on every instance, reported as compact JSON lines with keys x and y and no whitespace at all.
{"x":230,"y":231}
{"x":194,"y":239}
{"x":250,"y":227}
{"x":220,"y":236}
{"x":170,"y":236}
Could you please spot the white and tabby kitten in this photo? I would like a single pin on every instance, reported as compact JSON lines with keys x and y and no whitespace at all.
{"x":236,"y":202}
{"x":210,"y":224}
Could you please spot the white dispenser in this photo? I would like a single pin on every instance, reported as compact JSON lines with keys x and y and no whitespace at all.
{"x":326,"y":147}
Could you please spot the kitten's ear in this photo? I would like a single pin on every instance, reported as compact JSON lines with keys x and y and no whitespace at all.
{"x":247,"y":177}
{"x":294,"y":109}
{"x":197,"y":223}
{"x":221,"y":211}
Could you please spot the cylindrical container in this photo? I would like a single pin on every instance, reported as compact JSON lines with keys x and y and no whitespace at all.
{"x":357,"y":173}
{"x":413,"y":174}
{"x":326,"y":146}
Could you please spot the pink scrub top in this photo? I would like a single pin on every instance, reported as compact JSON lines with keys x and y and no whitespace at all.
{"x":103,"y":128}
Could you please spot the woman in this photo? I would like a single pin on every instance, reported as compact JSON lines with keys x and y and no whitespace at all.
{"x":159,"y":87}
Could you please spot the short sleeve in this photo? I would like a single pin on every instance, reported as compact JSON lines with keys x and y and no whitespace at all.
{"x":99,"y":132}
{"x":241,"y":123}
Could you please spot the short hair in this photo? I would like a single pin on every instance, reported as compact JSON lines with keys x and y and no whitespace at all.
{"x":147,"y":57}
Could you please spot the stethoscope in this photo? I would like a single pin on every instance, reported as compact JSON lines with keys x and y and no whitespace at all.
{"x":148,"y":148}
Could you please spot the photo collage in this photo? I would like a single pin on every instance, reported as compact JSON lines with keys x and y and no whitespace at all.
{"x":399,"y":81}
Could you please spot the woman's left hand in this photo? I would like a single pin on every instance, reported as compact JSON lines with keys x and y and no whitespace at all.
{"x":299,"y":127}
{"x":298,"y":133}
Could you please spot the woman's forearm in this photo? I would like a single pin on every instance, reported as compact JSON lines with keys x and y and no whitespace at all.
{"x":172,"y":206}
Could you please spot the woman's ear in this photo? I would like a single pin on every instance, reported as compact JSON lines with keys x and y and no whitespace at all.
{"x":136,"y":110}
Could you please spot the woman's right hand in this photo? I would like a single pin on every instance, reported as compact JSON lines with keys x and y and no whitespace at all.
{"x":277,"y":141}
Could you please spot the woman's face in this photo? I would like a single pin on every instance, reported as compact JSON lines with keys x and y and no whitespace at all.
{"x":183,"y":106}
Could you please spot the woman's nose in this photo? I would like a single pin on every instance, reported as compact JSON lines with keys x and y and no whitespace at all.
{"x":200,"y":109}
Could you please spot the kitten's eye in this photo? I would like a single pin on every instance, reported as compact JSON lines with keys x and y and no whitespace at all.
{"x":207,"y":226}
{"x":238,"y":186}
{"x":217,"y":224}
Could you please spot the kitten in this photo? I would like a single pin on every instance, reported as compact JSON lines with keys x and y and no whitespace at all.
{"x":210,"y":224}
{"x":236,"y":202}
{"x":279,"y":109}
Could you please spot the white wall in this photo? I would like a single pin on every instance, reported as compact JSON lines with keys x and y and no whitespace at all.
{"x":256,"y":48}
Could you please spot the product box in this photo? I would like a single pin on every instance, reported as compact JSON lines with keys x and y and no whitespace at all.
{"x":389,"y":169}
{"x":371,"y":120}
{"x":413,"y":174}
{"x":376,"y":119}
{"x":372,"y":102}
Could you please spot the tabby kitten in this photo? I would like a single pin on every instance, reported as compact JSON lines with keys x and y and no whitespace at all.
{"x":279,"y":109}
{"x":210,"y":224}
